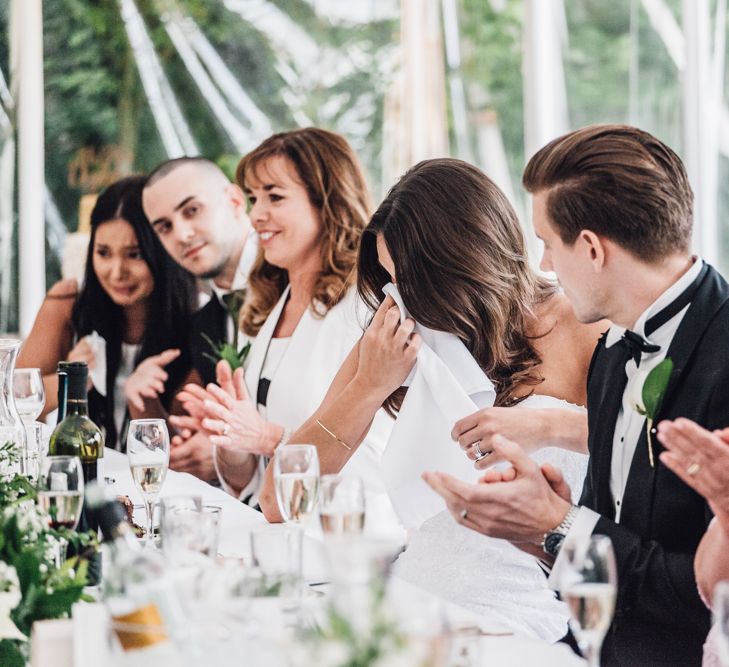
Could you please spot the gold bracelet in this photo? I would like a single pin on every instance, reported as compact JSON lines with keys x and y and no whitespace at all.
{"x":339,"y":440}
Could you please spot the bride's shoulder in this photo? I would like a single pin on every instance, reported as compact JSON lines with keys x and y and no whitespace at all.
{"x":563,"y":330}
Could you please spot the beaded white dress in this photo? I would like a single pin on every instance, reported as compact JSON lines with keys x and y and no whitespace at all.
{"x":487,"y":575}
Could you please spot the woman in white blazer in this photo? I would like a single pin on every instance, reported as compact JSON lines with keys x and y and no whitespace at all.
{"x":309,"y":205}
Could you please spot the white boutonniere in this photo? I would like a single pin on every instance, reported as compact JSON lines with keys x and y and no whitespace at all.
{"x":645,"y":393}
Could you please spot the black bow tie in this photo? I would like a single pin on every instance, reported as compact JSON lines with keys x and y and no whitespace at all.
{"x":635,"y":344}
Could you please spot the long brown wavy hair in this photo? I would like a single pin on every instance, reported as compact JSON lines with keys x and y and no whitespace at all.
{"x":330,"y":171}
{"x":461,"y":267}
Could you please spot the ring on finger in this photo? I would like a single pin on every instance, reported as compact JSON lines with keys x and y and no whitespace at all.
{"x":479,"y":454}
{"x":693,"y":468}
{"x":463,"y":514}
{"x":226,"y":429}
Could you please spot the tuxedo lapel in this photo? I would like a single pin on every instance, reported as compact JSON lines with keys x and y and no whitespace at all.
{"x":605,"y":393}
{"x":208,"y":322}
{"x":710,"y":297}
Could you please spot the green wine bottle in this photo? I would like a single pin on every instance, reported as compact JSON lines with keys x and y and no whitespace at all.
{"x":62,"y":391}
{"x":77,"y":435}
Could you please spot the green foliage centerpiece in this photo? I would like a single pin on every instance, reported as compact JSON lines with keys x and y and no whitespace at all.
{"x":32,"y":588}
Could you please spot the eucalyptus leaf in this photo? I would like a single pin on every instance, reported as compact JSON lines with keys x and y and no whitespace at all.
{"x":655,"y":387}
{"x":10,"y":654}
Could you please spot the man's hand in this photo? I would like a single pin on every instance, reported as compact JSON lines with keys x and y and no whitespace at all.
{"x":193,"y":454}
{"x":148,"y":379}
{"x":519,"y":508}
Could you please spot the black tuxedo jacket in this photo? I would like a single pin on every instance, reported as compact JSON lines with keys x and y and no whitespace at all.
{"x":659,"y":618}
{"x":212,"y":321}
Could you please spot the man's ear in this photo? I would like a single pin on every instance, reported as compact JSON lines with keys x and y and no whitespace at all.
{"x":595,"y":247}
{"x":237,"y":197}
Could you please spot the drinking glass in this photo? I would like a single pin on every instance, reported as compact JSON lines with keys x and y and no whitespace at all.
{"x":60,"y":494}
{"x":588,"y":583}
{"x":276,"y":552}
{"x":341,"y":504}
{"x":189,"y":527}
{"x":148,"y":452}
{"x":296,"y":476}
{"x":721,"y":621}
{"x":29,"y":394}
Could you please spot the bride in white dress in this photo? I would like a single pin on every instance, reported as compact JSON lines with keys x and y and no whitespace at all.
{"x":489,"y":332}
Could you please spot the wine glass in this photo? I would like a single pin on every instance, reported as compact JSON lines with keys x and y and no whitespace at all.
{"x":721,"y":621}
{"x":60,"y":494}
{"x":148,"y":452}
{"x":296,"y":476}
{"x":30,"y":396}
{"x":588,"y":583}
{"x":341,"y":504}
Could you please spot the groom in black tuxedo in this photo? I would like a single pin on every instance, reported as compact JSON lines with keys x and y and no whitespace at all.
{"x":613,"y":206}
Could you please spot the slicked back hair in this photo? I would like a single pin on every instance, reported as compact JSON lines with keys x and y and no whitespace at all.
{"x":619,"y":182}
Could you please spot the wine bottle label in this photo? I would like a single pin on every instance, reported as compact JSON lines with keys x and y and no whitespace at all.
{"x":140,"y":629}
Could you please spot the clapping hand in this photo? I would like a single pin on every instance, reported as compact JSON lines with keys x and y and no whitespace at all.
{"x":520,"y":506}
{"x":701,"y":459}
{"x":227,"y":414}
{"x":148,"y":379}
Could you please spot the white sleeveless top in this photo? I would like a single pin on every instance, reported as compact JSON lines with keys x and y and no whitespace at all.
{"x":487,"y":575}
{"x":126,"y":368}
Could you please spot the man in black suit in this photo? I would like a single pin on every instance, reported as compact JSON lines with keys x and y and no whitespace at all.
{"x":200,"y":218}
{"x":613,"y":206}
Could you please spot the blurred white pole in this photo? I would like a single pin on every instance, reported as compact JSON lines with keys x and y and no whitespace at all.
{"x":26,"y":38}
{"x":702,"y":102}
{"x":545,"y":93}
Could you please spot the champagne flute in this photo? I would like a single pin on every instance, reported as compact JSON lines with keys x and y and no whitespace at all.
{"x":60,"y":494}
{"x":721,"y":621}
{"x":148,"y":452}
{"x":588,"y":583}
{"x":30,"y":398}
{"x":296,"y":477}
{"x":341,"y":504}
{"x":29,"y":393}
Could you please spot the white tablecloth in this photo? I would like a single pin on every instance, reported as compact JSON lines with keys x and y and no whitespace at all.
{"x":238,"y":520}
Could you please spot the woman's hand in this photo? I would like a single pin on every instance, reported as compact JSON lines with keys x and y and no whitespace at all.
{"x":387,"y":350}
{"x":701,"y":459}
{"x":82,"y":352}
{"x":228,"y":415}
{"x":148,"y":379}
{"x":475,"y":433}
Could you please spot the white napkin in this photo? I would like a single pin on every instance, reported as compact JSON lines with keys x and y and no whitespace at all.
{"x":98,"y":372}
{"x":446,"y":385}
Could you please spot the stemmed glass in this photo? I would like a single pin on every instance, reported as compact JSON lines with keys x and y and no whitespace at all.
{"x":30,"y":398}
{"x":148,"y":452}
{"x":588,"y":583}
{"x":296,"y":476}
{"x":60,"y":494}
{"x":721,"y":620}
{"x":341,"y":504}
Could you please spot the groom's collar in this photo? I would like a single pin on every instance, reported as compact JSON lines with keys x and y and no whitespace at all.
{"x":615,"y":332}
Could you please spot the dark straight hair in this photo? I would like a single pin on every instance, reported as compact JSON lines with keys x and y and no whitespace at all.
{"x":170,"y":305}
{"x":461,"y":267}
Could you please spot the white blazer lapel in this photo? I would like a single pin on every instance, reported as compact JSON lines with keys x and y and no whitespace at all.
{"x":259,"y":346}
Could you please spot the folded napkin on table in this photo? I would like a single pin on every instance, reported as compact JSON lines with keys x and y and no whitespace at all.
{"x":446,"y":385}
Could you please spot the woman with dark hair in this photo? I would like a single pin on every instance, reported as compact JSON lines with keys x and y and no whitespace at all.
{"x":309,"y":204}
{"x":131,"y":312}
{"x":500,"y":335}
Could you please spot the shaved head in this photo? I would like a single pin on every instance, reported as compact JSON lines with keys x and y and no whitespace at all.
{"x":198,"y":163}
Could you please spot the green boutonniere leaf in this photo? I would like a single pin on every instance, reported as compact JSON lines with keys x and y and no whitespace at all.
{"x":226,"y":352}
{"x":655,"y":387}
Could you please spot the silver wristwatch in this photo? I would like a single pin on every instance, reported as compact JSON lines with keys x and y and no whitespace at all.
{"x":553,"y":539}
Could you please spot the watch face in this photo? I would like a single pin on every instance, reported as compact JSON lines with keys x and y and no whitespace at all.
{"x":553,"y":543}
